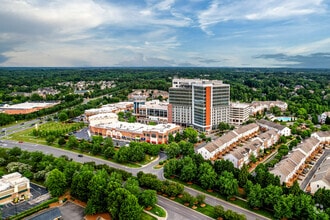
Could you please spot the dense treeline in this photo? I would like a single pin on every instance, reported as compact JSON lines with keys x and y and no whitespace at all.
{"x":306,"y":91}
{"x":261,"y":190}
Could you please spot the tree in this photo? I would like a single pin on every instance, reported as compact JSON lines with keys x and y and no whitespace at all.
{"x":56,"y":182}
{"x":61,"y":141}
{"x":72,"y":142}
{"x":284,"y":206}
{"x":190,"y":134}
{"x":223,"y":126}
{"x":97,"y":187}
{"x":137,"y":153}
{"x":69,"y":170}
{"x":171,"y":168}
{"x":50,"y":139}
{"x":132,"y":185}
{"x":255,"y":196}
{"x":219,"y":211}
{"x":271,"y":195}
{"x":62,"y":116}
{"x":189,"y":169}
{"x":123,"y":205}
{"x":148,"y":198}
{"x":80,"y":182}
{"x":186,"y":148}
{"x":108,"y":142}
{"x":243,"y":175}
{"x":122,"y":155}
{"x":109,"y":152}
{"x":303,"y":207}
{"x":228,"y":185}
{"x":172,"y":150}
{"x":200,"y":198}
{"x":207,"y":176}
{"x":295,"y":189}
{"x":322,"y":196}
{"x":170,"y":138}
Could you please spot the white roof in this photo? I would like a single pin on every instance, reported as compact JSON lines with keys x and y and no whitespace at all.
{"x":29,"y":105}
{"x":138,"y":127}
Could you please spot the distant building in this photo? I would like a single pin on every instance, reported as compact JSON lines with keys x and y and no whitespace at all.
{"x":260,"y":106}
{"x":199,"y":103}
{"x":14,"y":186}
{"x":110,"y":108}
{"x":26,"y":107}
{"x":239,"y":113}
{"x":321,"y":178}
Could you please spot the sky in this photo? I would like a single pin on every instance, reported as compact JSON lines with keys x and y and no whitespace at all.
{"x":165,"y":33}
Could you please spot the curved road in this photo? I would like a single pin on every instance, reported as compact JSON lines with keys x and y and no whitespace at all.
{"x":175,"y":211}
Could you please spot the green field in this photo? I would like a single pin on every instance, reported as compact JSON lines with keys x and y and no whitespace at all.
{"x":47,"y":128}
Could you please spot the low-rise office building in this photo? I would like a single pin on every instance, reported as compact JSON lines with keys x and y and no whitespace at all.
{"x":239,"y":113}
{"x":156,"y":134}
{"x":153,"y":111}
{"x":14,"y":186}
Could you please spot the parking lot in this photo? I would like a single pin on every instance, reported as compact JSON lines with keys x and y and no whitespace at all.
{"x":11,"y":209}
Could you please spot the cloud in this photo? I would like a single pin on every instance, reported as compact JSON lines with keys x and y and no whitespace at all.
{"x":315,"y":60}
{"x":252,"y":10}
{"x":140,"y":60}
{"x":208,"y":60}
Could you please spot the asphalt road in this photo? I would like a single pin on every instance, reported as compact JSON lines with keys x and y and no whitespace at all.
{"x":178,"y":211}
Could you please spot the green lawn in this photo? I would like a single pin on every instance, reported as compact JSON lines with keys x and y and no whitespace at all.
{"x":158,"y":211}
{"x":145,"y":216}
{"x":237,"y":202}
{"x":27,"y":135}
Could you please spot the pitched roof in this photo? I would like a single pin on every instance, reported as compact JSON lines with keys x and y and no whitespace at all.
{"x":323,"y":173}
{"x":308,"y":144}
{"x":245,"y":128}
{"x":323,"y":133}
{"x":271,"y":124}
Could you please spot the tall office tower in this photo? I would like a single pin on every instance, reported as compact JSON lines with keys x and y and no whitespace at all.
{"x":200,"y":103}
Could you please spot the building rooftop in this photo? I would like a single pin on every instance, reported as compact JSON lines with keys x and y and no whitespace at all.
{"x":138,"y":127}
{"x":155,"y":104}
{"x":29,"y":105}
{"x":12,"y":179}
{"x":245,"y":128}
{"x":271,"y":124}
{"x":239,"y":105}
{"x":323,"y":173}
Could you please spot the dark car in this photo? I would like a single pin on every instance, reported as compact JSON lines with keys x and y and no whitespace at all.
{"x":80,"y":155}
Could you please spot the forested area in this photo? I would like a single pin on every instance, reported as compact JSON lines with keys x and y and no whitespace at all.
{"x":307,"y":91}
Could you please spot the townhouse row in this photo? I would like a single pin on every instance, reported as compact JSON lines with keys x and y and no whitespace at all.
{"x":289,"y":168}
